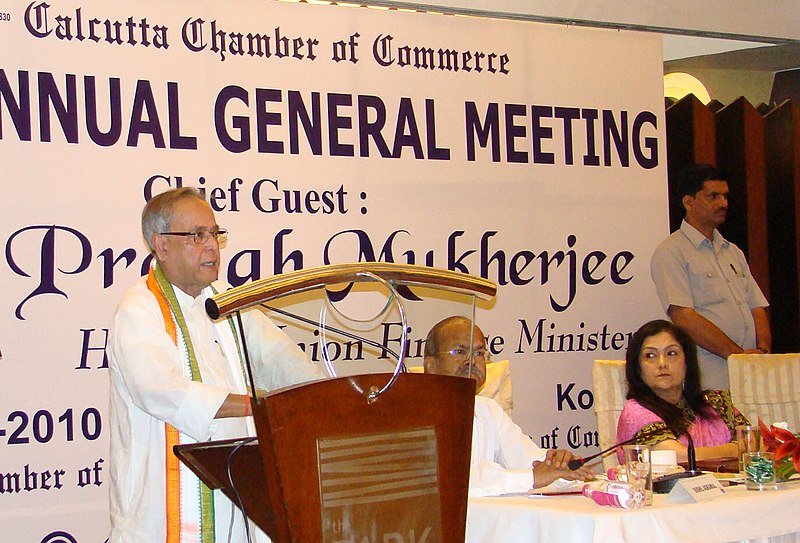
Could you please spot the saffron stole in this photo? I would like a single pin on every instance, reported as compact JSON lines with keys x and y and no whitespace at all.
{"x":180,"y":520}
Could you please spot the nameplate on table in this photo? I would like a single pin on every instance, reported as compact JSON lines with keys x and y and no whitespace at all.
{"x":696,"y":489}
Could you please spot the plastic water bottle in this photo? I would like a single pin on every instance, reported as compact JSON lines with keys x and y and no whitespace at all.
{"x":614,"y":494}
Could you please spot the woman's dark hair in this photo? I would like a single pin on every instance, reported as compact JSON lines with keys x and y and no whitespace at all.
{"x":671,"y":414}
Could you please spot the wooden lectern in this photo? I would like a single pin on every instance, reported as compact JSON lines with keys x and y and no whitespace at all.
{"x":328,"y":466}
{"x":344,"y":460}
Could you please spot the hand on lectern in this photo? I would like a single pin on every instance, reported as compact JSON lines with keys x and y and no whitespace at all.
{"x":259,"y":393}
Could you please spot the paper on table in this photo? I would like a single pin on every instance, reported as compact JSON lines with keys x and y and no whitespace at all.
{"x":559,"y":487}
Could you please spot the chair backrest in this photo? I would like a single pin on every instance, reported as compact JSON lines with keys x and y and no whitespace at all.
{"x":497,"y":385}
{"x":766,"y":386}
{"x":609,"y":388}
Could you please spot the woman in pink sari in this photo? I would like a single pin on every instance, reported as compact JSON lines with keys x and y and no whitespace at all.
{"x":666,"y":400}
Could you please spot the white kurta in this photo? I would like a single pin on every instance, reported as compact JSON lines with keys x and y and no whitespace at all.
{"x":150,"y":385}
{"x":502,"y":455}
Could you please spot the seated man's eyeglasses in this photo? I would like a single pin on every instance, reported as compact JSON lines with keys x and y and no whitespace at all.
{"x":463,"y":354}
{"x":200,"y":237}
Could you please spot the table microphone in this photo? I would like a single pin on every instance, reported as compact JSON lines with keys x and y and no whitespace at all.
{"x":690,"y":454}
{"x":664,"y":484}
{"x":576,"y":463}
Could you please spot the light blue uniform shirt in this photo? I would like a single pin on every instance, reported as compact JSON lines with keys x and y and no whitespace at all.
{"x":713,"y":277}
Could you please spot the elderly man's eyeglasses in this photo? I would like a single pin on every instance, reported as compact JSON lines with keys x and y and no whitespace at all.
{"x":463,"y":354}
{"x":201,"y":237}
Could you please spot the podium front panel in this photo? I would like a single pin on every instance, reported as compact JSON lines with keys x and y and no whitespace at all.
{"x":342,"y":469}
{"x":385,"y":480}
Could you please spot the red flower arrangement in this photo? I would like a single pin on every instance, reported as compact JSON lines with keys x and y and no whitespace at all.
{"x":786,"y":448}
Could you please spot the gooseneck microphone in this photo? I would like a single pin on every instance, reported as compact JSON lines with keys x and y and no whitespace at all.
{"x":328,"y":328}
{"x":576,"y":463}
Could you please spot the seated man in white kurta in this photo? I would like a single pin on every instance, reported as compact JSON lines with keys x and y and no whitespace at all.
{"x":178,"y":377}
{"x":504,"y":460}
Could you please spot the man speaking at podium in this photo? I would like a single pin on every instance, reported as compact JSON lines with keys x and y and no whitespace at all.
{"x":179,"y":377}
{"x":504,"y":460}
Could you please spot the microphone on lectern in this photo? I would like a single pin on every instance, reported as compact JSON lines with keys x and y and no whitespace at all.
{"x":329,"y":328}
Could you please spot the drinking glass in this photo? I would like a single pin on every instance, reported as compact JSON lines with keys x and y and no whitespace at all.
{"x":759,"y":470}
{"x":639,"y":469}
{"x":749,"y":440}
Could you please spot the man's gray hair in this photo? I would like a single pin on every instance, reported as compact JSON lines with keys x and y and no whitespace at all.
{"x":157,"y":213}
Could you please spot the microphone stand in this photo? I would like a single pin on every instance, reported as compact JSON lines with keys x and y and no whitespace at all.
{"x":665,"y":483}
{"x":576,"y":463}
{"x":334,"y":330}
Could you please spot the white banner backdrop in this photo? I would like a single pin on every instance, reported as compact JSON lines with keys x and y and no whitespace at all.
{"x":529,"y":154}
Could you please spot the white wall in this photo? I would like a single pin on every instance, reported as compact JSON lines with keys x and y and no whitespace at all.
{"x":779,"y":19}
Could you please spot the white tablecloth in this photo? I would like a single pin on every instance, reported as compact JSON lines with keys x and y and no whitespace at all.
{"x":738,"y":515}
